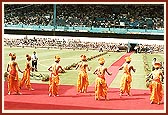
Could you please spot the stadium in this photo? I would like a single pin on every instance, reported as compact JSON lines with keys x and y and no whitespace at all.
{"x":70,"y":30}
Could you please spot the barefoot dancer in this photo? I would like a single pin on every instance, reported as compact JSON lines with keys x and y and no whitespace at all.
{"x":13,"y":79}
{"x":26,"y":74}
{"x":54,"y":78}
{"x":82,"y":82}
{"x":155,"y":85}
{"x":126,"y":79}
{"x":100,"y":83}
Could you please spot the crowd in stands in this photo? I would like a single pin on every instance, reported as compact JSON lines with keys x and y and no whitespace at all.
{"x":27,"y":14}
{"x":146,"y":48}
{"x":74,"y":44}
{"x":150,"y":16}
{"x":59,"y":44}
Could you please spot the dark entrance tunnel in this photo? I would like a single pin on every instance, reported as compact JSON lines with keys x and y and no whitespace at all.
{"x":131,"y":46}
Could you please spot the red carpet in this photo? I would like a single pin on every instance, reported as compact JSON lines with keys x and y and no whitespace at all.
{"x":68,"y":100}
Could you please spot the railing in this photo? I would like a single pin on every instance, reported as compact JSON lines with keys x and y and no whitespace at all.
{"x":116,"y":30}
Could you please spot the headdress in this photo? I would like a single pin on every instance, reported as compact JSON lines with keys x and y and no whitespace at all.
{"x":157,"y":65}
{"x":28,"y":57}
{"x":57,"y":58}
{"x":13,"y":56}
{"x":83,"y":57}
{"x":128,"y":59}
{"x":101,"y":60}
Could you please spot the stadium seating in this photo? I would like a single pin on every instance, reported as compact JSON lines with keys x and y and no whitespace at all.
{"x":87,"y":15}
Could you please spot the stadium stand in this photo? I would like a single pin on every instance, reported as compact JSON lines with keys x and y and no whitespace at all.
{"x":87,"y":15}
{"x":48,"y":42}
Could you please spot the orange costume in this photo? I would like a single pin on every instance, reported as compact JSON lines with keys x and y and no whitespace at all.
{"x":54,"y":78}
{"x":100,"y":83}
{"x":82,"y":82}
{"x":26,"y":74}
{"x":126,"y":79}
{"x":156,"y":85}
{"x":13,"y":79}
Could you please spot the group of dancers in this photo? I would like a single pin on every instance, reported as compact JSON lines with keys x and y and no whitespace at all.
{"x":15,"y":84}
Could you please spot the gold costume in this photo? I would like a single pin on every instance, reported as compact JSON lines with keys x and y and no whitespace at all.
{"x":54,"y":77}
{"x":82,"y":82}
{"x":156,"y":86}
{"x":126,"y":79}
{"x":100,"y":82}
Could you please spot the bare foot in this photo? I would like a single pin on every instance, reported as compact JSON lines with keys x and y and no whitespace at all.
{"x":107,"y":99}
{"x":128,"y":94}
{"x":151,"y":102}
{"x":120,"y":94}
{"x":31,"y":89}
{"x":97,"y":99}
{"x":50,"y":95}
{"x":18,"y":93}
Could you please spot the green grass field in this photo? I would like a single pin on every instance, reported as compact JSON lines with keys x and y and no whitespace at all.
{"x":69,"y":56}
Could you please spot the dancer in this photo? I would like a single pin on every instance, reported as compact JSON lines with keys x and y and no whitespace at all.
{"x":83,"y":82}
{"x":13,"y":78}
{"x":100,"y":83}
{"x":155,"y":85}
{"x":126,"y":79}
{"x":54,"y":78}
{"x":26,"y":74}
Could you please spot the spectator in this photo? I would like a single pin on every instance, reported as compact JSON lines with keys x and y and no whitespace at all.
{"x":87,"y":15}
